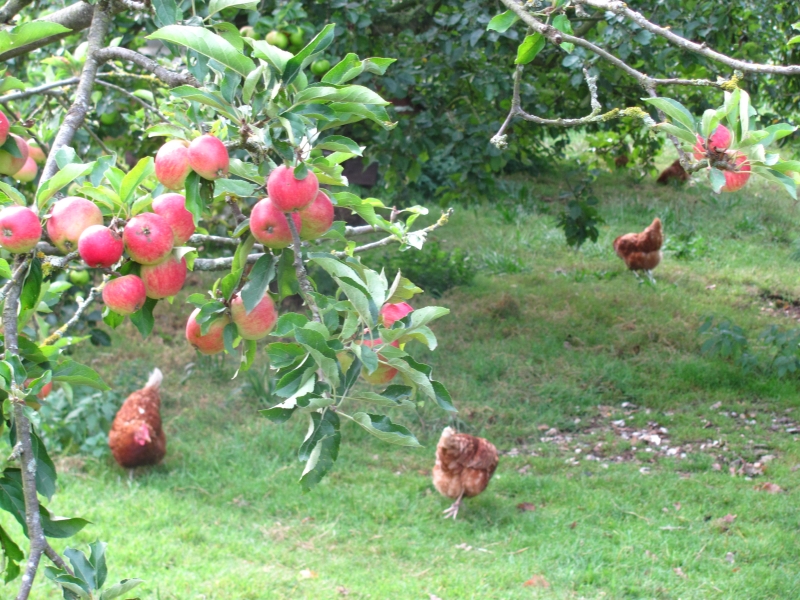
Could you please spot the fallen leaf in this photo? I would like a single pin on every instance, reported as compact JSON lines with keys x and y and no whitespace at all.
{"x":679,"y":572}
{"x":573,"y":525}
{"x":715,"y":406}
{"x":723,"y":523}
{"x":729,"y":557}
{"x":307,"y":574}
{"x":434,"y":597}
{"x":543,"y":427}
{"x":677,"y":506}
{"x":729,"y":518}
{"x":716,"y":467}
{"x":464,"y":547}
{"x":771,"y":488}
{"x":711,"y":287}
{"x":537,"y":581}
{"x":526,"y":506}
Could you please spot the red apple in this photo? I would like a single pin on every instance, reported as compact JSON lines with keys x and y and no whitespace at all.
{"x":699,"y":149}
{"x":99,"y":246}
{"x":209,"y":157}
{"x":269,"y":226}
{"x":164,"y":279}
{"x":125,"y":295}
{"x":10,"y":164}
{"x":210,"y":343}
{"x":259,"y":322}
{"x":736,"y":180}
{"x":720,"y":140}
{"x":44,"y":392}
{"x":27,"y":172}
{"x":36,"y":153}
{"x":173,"y":208}
{"x":289,"y":193}
{"x":20,"y":229}
{"x":384,"y":373}
{"x":394,"y":312}
{"x":317,"y":217}
{"x":68,"y":219}
{"x":172,"y":164}
{"x":148,"y":238}
{"x":4,"y":127}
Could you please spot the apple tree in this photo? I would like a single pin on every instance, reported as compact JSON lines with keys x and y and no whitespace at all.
{"x":244,"y":136}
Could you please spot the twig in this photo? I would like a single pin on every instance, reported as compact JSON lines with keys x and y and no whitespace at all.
{"x":101,"y":21}
{"x":82,"y":306}
{"x":171,"y":78}
{"x":620,"y":8}
{"x":199,"y":238}
{"x":23,"y":267}
{"x":221,"y":264}
{"x":89,"y":130}
{"x":56,"y":558}
{"x":39,"y":89}
{"x":144,"y":104}
{"x":302,"y":276}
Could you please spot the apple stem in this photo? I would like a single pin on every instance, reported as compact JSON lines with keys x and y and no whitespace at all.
{"x":302,"y":276}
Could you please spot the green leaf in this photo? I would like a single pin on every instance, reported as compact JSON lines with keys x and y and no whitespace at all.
{"x":217,"y":5}
{"x":320,"y":41}
{"x":347,"y":93}
{"x":137,"y":175}
{"x":143,"y":319}
{"x":10,"y":146}
{"x":339,"y":143}
{"x":98,"y":561}
{"x":350,"y":68}
{"x":194,"y":199}
{"x":262,"y":273}
{"x":120,"y":589}
{"x":229,"y":334}
{"x":28,"y":33}
{"x":320,"y":448}
{"x":206,"y":43}
{"x":772,"y":175}
{"x":352,"y":112}
{"x":12,"y":555}
{"x":287,"y":275}
{"x":60,"y":527}
{"x":45,"y":469}
{"x":73,"y":587}
{"x":382,"y":428}
{"x":443,"y":398}
{"x":287,"y":323}
{"x":794,"y":40}
{"x":322,"y":354}
{"x":61,"y":179}
{"x":77,"y":374}
{"x":282,"y":355}
{"x":213,"y":99}
{"x":529,"y":48}
{"x":709,"y":123}
{"x":502,"y":22}
{"x":561,"y":22}
{"x":13,"y":194}
{"x":167,"y":12}
{"x":717,"y":179}
{"x":81,"y":566}
{"x":170,"y":131}
{"x":31,"y":289}
{"x":679,"y":132}
{"x":676,"y":110}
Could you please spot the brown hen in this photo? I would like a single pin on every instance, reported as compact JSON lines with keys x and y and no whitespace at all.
{"x":641,"y":251}
{"x":464,"y":466}
{"x":136,"y":438}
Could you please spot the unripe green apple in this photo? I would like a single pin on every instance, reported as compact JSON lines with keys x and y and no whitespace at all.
{"x":320,"y":67}
{"x":276,"y":38}
{"x":296,"y":38}
{"x":80,"y":277}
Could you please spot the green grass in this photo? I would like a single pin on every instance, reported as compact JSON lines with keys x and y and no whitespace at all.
{"x":223,"y":517}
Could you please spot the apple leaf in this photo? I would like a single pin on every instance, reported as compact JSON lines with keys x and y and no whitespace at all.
{"x":529,"y":48}
{"x":143,"y":319}
{"x":502,"y":22}
{"x":260,"y":277}
{"x":143,"y":169}
{"x":320,"y":448}
{"x":206,"y":43}
{"x":64,"y":177}
{"x":75,"y":373}
{"x":321,"y":41}
{"x":217,"y":5}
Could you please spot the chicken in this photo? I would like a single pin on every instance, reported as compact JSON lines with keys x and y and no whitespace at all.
{"x":674,"y":172}
{"x":136,"y":438}
{"x":641,"y":251}
{"x":464,"y":466}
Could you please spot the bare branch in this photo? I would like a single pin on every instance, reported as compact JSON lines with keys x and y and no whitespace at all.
{"x":76,"y":115}
{"x":125,"y":92}
{"x":198,"y":238}
{"x":171,"y":78}
{"x":302,"y":277}
{"x":11,"y":9}
{"x":39,"y":89}
{"x":221,"y":264}
{"x":82,"y":306}
{"x":56,"y":558}
{"x":620,"y":8}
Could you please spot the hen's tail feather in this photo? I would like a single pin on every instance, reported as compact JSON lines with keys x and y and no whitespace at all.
{"x":155,"y":379}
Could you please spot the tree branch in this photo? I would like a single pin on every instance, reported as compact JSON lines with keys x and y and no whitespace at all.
{"x":620,"y":8}
{"x":125,"y":92}
{"x":171,"y":78}
{"x":11,"y":9}
{"x":75,"y":17}
{"x":27,"y":458}
{"x":39,"y":89}
{"x":221,"y":264}
{"x":198,"y":238}
{"x":82,"y":306}
{"x":302,"y":277}
{"x":76,"y":115}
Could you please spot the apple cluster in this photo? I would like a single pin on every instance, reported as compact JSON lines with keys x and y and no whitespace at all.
{"x":21,"y":168}
{"x":717,"y":148}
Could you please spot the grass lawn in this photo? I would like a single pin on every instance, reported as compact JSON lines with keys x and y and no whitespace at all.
{"x":642,"y":459}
